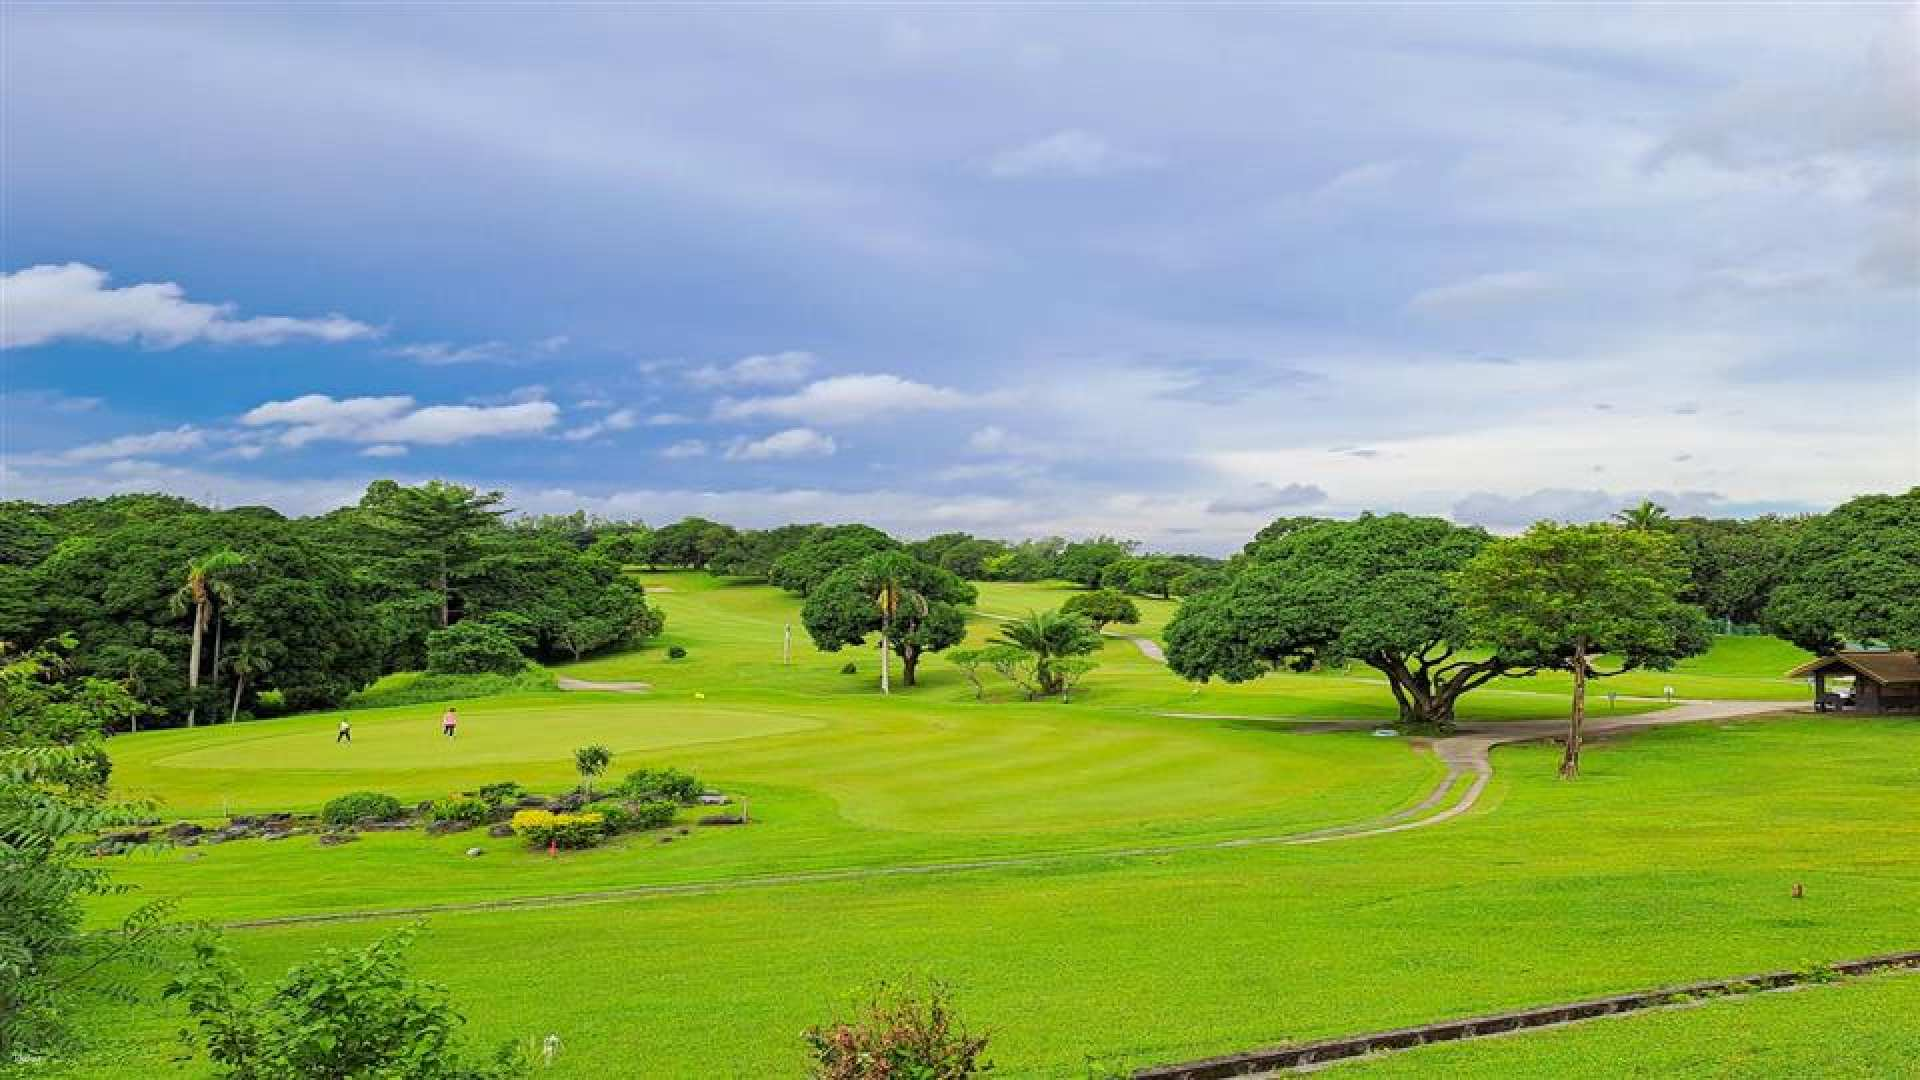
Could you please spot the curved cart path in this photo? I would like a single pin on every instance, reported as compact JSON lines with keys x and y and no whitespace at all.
{"x":566,"y":683}
{"x":1469,"y":770}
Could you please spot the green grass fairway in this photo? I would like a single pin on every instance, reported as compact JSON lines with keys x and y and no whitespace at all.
{"x":1868,"y":1028}
{"x":1670,"y":860}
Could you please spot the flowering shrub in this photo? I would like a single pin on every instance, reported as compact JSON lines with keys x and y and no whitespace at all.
{"x":544,"y":827}
{"x":902,"y":1033}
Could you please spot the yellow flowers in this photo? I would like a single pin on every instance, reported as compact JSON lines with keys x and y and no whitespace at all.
{"x":545,"y":819}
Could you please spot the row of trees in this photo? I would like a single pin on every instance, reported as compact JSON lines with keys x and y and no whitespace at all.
{"x":199,"y":612}
{"x":1441,"y":609}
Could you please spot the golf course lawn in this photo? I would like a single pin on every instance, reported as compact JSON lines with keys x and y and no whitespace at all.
{"x":1672,"y":859}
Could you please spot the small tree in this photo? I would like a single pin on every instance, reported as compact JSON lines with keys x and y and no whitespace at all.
{"x":341,"y":1014}
{"x":1070,"y":671}
{"x":913,"y":607}
{"x":900,"y":1032}
{"x":970,"y":661}
{"x":1050,"y":637}
{"x":591,"y":761}
{"x":1561,"y":596}
{"x":473,"y":647}
{"x":1102,"y":607}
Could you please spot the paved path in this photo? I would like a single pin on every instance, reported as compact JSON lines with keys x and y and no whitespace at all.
{"x":1148,"y":647}
{"x":565,"y":683}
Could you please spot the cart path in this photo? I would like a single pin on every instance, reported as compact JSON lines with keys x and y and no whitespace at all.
{"x":565,"y":683}
{"x":1469,"y":769}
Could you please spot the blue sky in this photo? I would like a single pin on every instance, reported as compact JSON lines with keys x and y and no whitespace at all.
{"x":1160,"y":272}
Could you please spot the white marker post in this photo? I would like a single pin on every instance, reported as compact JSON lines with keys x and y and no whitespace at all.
{"x":786,"y":646}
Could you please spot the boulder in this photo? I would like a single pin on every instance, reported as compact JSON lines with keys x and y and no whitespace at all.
{"x":531,"y":802}
{"x":129,"y":838}
{"x":442,"y":828}
{"x":474,"y":852}
{"x":184,"y":830}
{"x":500,"y":830}
{"x":338,"y":836}
{"x":714,"y":798}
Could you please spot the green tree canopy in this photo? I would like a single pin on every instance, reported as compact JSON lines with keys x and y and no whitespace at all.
{"x":1561,"y":596}
{"x":803,"y":568}
{"x":920,"y":608}
{"x":1084,"y":561}
{"x":1374,"y":589}
{"x":435,"y":533}
{"x":1102,"y":607}
{"x":1853,"y":575}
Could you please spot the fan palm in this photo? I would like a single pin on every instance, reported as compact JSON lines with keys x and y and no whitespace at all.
{"x":249,"y":662}
{"x":1051,"y":636}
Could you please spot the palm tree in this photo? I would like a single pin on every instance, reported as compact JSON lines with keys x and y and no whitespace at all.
{"x":1051,"y":636}
{"x":1649,"y":516}
{"x":589,"y":762}
{"x":205,"y":586}
{"x":890,"y":598}
{"x":249,"y":662}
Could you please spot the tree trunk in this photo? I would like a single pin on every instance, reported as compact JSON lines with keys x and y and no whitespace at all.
{"x":885,"y":687}
{"x":219,"y":627}
{"x":440,"y":584}
{"x":193,"y":658}
{"x":1428,"y":712}
{"x":239,"y":687}
{"x":1570,"y":763}
{"x":909,"y":663}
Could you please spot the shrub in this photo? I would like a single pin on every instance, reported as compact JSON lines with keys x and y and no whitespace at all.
{"x":361,"y":807}
{"x":473,"y":647}
{"x":849,"y":669}
{"x":627,"y":816}
{"x":902,"y":1031}
{"x":470,"y":811}
{"x":501,"y":792}
{"x":670,"y":784}
{"x":544,"y":827}
{"x":676,"y":653}
{"x":342,"y":1013}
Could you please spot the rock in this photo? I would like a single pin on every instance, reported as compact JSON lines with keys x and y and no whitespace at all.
{"x":187,"y":841}
{"x":129,"y":838}
{"x":274,"y":819}
{"x":714,"y":798}
{"x":568,"y":803}
{"x":330,"y":839}
{"x":683,"y":830}
{"x":442,"y":828}
{"x":667,"y":839}
{"x":500,"y":830}
{"x":277,"y":834}
{"x":723,"y":819}
{"x":531,"y":802}
{"x":185,"y":829}
{"x":474,"y":851}
{"x":215,"y":838}
{"x":242,"y":820}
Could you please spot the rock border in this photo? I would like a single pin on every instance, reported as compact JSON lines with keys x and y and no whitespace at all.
{"x":1304,"y":1055}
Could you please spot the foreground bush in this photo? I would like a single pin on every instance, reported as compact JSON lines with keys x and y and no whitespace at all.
{"x":472,"y":647}
{"x":669,"y":784}
{"x":901,"y":1033}
{"x":544,"y":827}
{"x":360,"y":807}
{"x":343,"y":1014}
{"x":467,"y":811}
{"x":624,"y":815}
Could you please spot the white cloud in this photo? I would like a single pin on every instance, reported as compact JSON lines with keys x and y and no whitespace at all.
{"x":1071,"y":153}
{"x":394,"y":419}
{"x":848,"y":398}
{"x":791,"y":443}
{"x":47,"y":303}
{"x":441,"y":352}
{"x":1371,"y":176}
{"x":384,"y":450}
{"x":769,"y":369}
{"x":177,"y":441}
{"x":685,"y":448}
{"x":552,"y":344}
{"x":618,"y":420}
{"x":667,"y":419}
{"x":1484,"y":290}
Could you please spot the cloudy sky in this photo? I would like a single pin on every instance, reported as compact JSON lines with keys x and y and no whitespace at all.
{"x":1165,"y":273}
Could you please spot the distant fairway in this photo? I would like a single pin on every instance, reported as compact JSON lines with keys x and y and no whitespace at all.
{"x":1671,"y":859}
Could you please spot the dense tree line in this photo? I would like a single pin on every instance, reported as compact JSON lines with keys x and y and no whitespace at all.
{"x":200,"y":612}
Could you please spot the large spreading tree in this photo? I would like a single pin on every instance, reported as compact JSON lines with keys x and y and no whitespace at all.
{"x":1573,"y":597}
{"x":1852,"y":575}
{"x":913,"y":607}
{"x":1374,"y":589}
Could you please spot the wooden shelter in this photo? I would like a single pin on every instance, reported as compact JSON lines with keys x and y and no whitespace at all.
{"x":1882,"y":682}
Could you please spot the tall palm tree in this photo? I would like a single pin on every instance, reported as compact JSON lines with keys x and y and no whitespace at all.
{"x":891,"y":596}
{"x":205,"y":586}
{"x":249,"y":662}
{"x":1051,"y":636}
{"x":1649,"y":516}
